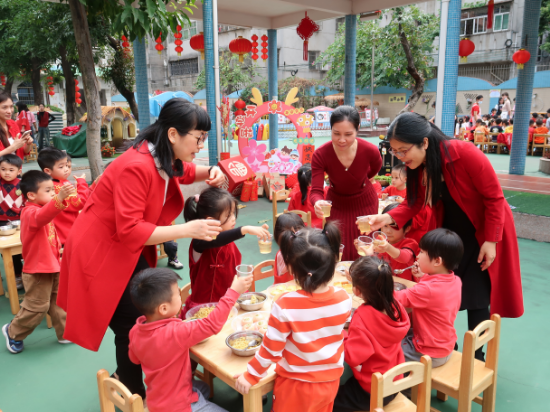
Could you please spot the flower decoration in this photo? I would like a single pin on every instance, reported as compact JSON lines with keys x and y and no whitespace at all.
{"x":274,"y":107}
{"x":254,"y":151}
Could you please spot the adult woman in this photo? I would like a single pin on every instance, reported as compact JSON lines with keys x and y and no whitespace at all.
{"x":350,"y":163}
{"x":11,"y":140}
{"x":128,"y":213}
{"x":26,"y":114}
{"x":499,"y":105}
{"x":458,"y":180}
{"x":506,"y":107}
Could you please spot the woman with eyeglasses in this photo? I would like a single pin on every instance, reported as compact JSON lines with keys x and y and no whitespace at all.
{"x":126,"y":216}
{"x":459,"y":182}
{"x":350,"y":163}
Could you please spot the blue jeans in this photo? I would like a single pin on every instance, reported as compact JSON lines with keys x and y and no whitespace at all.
{"x":43,"y":132}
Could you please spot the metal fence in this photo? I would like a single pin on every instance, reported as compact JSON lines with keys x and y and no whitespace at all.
{"x":493,"y":73}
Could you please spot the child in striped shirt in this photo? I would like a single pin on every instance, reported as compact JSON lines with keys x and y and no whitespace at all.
{"x":305,"y":333}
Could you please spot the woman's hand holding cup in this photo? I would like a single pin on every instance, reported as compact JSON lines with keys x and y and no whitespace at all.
{"x":378,"y":221}
{"x":204,"y":229}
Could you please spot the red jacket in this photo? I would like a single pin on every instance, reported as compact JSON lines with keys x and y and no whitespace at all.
{"x":392,"y":191}
{"x":474,"y":185}
{"x":107,"y":239}
{"x":39,"y":239}
{"x":374,"y":343}
{"x":422,"y":223}
{"x":435,"y":301}
{"x":296,"y":204}
{"x":162,"y":349}
{"x":409,"y":250}
{"x":14,"y":130}
{"x":64,"y":221}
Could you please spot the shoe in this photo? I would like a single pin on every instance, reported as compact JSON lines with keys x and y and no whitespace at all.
{"x":176,"y":264}
{"x":64,"y":341}
{"x":19,"y":283}
{"x":14,"y":346}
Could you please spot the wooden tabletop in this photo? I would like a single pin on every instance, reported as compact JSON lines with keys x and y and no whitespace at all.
{"x":10,"y":241}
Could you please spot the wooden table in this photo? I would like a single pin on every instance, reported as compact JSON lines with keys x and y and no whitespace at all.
{"x":10,"y":246}
{"x":218,"y":360}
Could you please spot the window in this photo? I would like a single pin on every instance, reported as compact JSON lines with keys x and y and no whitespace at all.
{"x":502,"y":17}
{"x":473,"y":21}
{"x":25,"y":93}
{"x":189,"y":31}
{"x":312,"y":57}
{"x":185,"y":67}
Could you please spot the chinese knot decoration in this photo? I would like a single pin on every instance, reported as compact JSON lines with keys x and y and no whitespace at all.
{"x":254,"y":49}
{"x":178,"y":41}
{"x":521,"y":57}
{"x":3,"y":79}
{"x":264,"y":47}
{"x":125,"y":44}
{"x":197,"y":43}
{"x":465,"y":48}
{"x":305,"y":30}
{"x":50,"y":85}
{"x":159,"y":45}
{"x":240,"y":46}
{"x":240,"y":105}
{"x":77,"y":95}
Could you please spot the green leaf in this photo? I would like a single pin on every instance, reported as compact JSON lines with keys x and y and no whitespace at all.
{"x":161,"y":6}
{"x":151,"y":8}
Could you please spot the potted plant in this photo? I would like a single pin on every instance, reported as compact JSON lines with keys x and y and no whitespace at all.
{"x":107,"y":150}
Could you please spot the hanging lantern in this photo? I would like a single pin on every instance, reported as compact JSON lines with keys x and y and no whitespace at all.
{"x":305,"y":30}
{"x":521,"y":57}
{"x":197,"y":43}
{"x":3,"y":79}
{"x":240,"y":105}
{"x":254,"y":49}
{"x":51,"y":93}
{"x":77,"y":94}
{"x":465,"y":48}
{"x":159,"y":45}
{"x":125,"y":43}
{"x":240,"y":46}
{"x":178,"y":41}
{"x":490,"y":13}
{"x":264,"y":47}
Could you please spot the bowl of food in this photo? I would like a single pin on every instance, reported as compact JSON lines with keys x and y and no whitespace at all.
{"x":252,"y":301}
{"x":397,"y":286}
{"x":245,"y":343}
{"x":347,"y":286}
{"x":7,"y":230}
{"x":251,"y":321}
{"x":16,"y":224}
{"x":202,"y":311}
{"x":275,"y":291}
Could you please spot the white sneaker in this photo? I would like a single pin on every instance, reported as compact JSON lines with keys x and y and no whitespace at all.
{"x":64,"y":341}
{"x":19,"y":283}
{"x":176,"y":264}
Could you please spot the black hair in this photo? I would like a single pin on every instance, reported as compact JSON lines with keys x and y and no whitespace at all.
{"x":304,"y":179}
{"x":535,"y":114}
{"x":49,"y":156}
{"x":467,"y":118}
{"x":479,"y":121}
{"x":41,"y":104}
{"x":374,"y":279}
{"x":505,"y":122}
{"x":399,"y":167}
{"x":443,"y":243}
{"x":412,"y":128}
{"x":505,"y":94}
{"x":392,"y":206}
{"x":511,"y":121}
{"x":21,"y":107}
{"x":213,"y":201}
{"x":531,"y":122}
{"x":479,"y":96}
{"x":287,"y":221}
{"x":343,"y":113}
{"x":493,"y":110}
{"x":12,"y":159}
{"x":499,"y":120}
{"x":311,"y":251}
{"x":3,"y":135}
{"x":152,"y":287}
{"x":31,"y":181}
{"x":539,"y":121}
{"x":182,"y":115}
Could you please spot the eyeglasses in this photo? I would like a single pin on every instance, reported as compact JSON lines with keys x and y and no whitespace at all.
{"x":200,"y":140}
{"x":400,"y":154}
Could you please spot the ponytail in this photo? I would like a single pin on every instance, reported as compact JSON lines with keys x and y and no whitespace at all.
{"x":212,"y":202}
{"x":304,"y":179}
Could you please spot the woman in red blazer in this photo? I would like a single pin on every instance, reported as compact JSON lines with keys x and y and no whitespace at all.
{"x":126,"y":216}
{"x":11,"y":140}
{"x":467,"y":198}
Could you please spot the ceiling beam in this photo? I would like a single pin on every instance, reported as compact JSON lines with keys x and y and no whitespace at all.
{"x":341,"y":7}
{"x":364,"y":6}
{"x":293,"y":19}
{"x":229,"y":17}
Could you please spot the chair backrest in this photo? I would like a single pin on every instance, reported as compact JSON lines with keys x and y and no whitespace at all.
{"x":545,"y":136}
{"x":280,"y":195}
{"x":420,"y":374}
{"x":185,"y":292}
{"x":260,"y":274}
{"x":306,"y":216}
{"x":479,"y":137}
{"x":113,"y":393}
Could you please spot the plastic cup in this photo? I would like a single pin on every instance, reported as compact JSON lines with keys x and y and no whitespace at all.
{"x":244,"y":270}
{"x":379,"y":238}
{"x":325,"y":208}
{"x":363,"y":223}
{"x":265,"y":245}
{"x":364,"y":246}
{"x":341,"y":253}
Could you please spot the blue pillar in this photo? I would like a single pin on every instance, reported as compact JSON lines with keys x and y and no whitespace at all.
{"x":208,"y":27}
{"x":273,"y":83}
{"x":524,"y":90}
{"x":351,"y":60}
{"x":450,"y":81}
{"x":142,"y":85}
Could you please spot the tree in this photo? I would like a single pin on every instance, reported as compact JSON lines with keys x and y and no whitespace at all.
{"x":544,"y":25}
{"x":234,"y":76}
{"x":402,"y":50}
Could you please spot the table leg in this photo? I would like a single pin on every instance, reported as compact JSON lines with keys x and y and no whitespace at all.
{"x":253,"y":401}
{"x":10,"y":279}
{"x":1,"y":286}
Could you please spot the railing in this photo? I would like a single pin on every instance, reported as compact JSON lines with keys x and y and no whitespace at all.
{"x":493,"y":73}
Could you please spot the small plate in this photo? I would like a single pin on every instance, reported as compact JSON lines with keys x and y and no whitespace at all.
{"x":397,"y":286}
{"x":342,"y":266}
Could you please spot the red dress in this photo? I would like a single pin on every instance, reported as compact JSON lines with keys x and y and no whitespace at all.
{"x":296,"y":204}
{"x":351,"y":192}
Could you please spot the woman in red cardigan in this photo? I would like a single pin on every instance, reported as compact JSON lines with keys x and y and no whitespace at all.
{"x":126,"y":216}
{"x":11,"y":140}
{"x":467,"y":198}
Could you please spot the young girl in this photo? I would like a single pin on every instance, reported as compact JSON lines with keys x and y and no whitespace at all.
{"x":305,"y":334}
{"x":285,"y":222}
{"x":398,"y":185}
{"x":375,"y":333}
{"x":299,"y":199}
{"x":212,"y":263}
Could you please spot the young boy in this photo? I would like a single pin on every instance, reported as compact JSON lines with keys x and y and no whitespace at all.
{"x":540,"y":129}
{"x":398,"y":185}
{"x":531,"y":130}
{"x":160,"y":341}
{"x":510,"y":127}
{"x":41,"y":254}
{"x":435,"y":300}
{"x":11,"y":200}
{"x":497,"y":128}
{"x":54,"y":162}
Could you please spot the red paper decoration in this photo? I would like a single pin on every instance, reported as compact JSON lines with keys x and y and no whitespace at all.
{"x":197,"y":43}
{"x":465,"y":48}
{"x":178,"y":41}
{"x":240,"y":46}
{"x":264,"y":47}
{"x":521,"y":57}
{"x":240,"y":105}
{"x":125,"y":43}
{"x":3,"y":79}
{"x":77,"y":99}
{"x":50,"y":85}
{"x":254,"y":49}
{"x":159,"y":45}
{"x":305,"y":30}
{"x":490,"y":13}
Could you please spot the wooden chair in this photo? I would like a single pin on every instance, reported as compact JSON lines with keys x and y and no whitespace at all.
{"x":185,"y":292}
{"x":33,"y":154}
{"x":463,"y":377}
{"x":544,"y":146}
{"x":260,"y":274}
{"x":306,"y":216}
{"x":113,"y":393}
{"x":493,"y":144}
{"x":419,"y":379}
{"x":480,"y":139}
{"x":280,"y":195}
{"x":161,"y":252}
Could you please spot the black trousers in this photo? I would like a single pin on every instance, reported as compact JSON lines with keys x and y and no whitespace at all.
{"x":123,"y":320}
{"x":352,"y":397}
{"x":475,"y":317}
{"x":171,"y":249}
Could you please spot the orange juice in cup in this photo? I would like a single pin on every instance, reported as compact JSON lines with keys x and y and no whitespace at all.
{"x":265,"y":245}
{"x":363,"y":223}
{"x":364,"y":246}
{"x":325,"y":208}
{"x":379,"y":238}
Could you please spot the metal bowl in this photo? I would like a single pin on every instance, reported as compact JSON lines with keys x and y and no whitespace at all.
{"x":397,"y":286}
{"x":7,"y":230}
{"x":242,"y":352}
{"x":16,"y":224}
{"x":244,"y":301}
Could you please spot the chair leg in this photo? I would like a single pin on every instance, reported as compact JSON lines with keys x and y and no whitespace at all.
{"x":489,"y":399}
{"x":209,"y":379}
{"x":442,"y":396}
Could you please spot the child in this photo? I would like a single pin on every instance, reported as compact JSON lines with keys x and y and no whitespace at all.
{"x":481,"y":128}
{"x":41,"y":255}
{"x":299,"y":199}
{"x":531,"y":130}
{"x":540,"y":129}
{"x":398,"y":185}
{"x":285,"y":222}
{"x":375,"y":333}
{"x":510,"y":128}
{"x":11,"y":201}
{"x":212,"y":263}
{"x":435,"y":300}
{"x":485,"y":119}
{"x":400,"y":252}
{"x":160,"y":342}
{"x":305,"y":333}
{"x":54,"y":162}
{"x":497,"y":128}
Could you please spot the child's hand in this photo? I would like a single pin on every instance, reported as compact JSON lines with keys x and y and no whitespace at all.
{"x":348,"y":276}
{"x":384,"y":196}
{"x":242,"y":284}
{"x":417,"y":273}
{"x":399,"y":199}
{"x":382,"y":248}
{"x":241,"y":384}
{"x":260,"y":231}
{"x":83,"y":176}
{"x":66,"y":190}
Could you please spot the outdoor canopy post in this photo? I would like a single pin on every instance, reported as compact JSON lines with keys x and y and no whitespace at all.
{"x":351,"y":60}
{"x":441,"y":62}
{"x":207,"y":13}
{"x":217,"y":78}
{"x":142,"y":85}
{"x":273,"y":87}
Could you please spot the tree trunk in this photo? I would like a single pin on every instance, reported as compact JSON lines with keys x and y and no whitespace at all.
{"x":69,"y":85}
{"x":35,"y":78}
{"x":91,"y":86}
{"x":9,"y":85}
{"x":418,"y":87}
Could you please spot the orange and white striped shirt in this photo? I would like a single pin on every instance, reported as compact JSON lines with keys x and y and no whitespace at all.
{"x":304,"y":337}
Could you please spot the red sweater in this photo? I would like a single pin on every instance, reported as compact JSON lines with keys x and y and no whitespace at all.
{"x":392,"y":191}
{"x":409,"y":251}
{"x":435,"y":301}
{"x":64,"y":221}
{"x":162,"y":349}
{"x":296,"y":204}
{"x":374,"y":343}
{"x":377,"y":187}
{"x":14,"y":130}
{"x":39,"y":238}
{"x":11,"y":200}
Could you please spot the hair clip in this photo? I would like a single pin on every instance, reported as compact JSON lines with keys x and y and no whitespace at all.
{"x":380,"y":265}
{"x":197,"y":198}
{"x":294,"y":234}
{"x":310,"y":274}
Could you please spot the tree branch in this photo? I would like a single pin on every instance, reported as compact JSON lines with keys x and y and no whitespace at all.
{"x":411,"y":68}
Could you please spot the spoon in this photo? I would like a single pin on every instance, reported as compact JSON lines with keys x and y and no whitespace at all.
{"x":253,"y":343}
{"x":400,"y":271}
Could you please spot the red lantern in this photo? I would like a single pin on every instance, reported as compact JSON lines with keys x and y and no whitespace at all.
{"x":197,"y":43}
{"x":51,"y":93}
{"x":125,"y":42}
{"x":521,"y":57}
{"x":305,"y":30}
{"x":465,"y":48}
{"x":77,"y":94}
{"x":3,"y":79}
{"x":240,"y":46}
{"x":240,"y":105}
{"x":490,"y":13}
{"x":254,"y":49}
{"x":264,"y":47}
{"x":159,"y":45}
{"x":178,"y":41}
